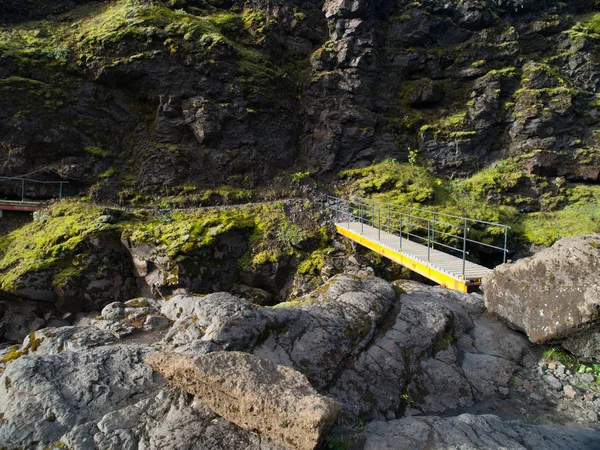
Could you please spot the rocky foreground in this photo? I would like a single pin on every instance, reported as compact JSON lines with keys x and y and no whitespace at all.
{"x":421,"y":367}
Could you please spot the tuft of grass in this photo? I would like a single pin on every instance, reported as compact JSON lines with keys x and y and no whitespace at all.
{"x":580,"y":216}
{"x":559,"y":354}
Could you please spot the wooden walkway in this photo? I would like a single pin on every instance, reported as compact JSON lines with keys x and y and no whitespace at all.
{"x":14,"y":205}
{"x":438,"y":266}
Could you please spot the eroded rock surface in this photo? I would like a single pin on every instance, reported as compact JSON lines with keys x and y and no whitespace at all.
{"x":367,"y":346}
{"x":552,"y":295}
{"x":254,"y":393}
{"x":384,"y":352}
{"x":469,"y":431}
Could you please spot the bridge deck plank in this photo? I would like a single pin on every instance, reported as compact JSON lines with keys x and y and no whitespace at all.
{"x":438,"y":260}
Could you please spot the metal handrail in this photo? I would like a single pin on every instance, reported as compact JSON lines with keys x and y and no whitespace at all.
{"x":436,"y":213}
{"x":29,"y":180}
{"x":370,"y":212}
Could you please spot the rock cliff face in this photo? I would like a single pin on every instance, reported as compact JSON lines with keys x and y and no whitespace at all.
{"x":156,"y":95}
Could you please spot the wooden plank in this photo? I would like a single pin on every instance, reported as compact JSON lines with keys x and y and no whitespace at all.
{"x":23,"y":207}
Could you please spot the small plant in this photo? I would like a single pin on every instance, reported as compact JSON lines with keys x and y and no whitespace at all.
{"x":560,"y":355}
{"x":97,"y":152}
{"x":299,"y":176}
{"x":290,"y":235}
{"x":413,"y":154}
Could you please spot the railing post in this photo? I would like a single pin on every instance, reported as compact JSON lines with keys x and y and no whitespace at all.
{"x":22,"y":191}
{"x":464,"y":250}
{"x":428,"y":240}
{"x":348,"y":214}
{"x":389,"y":221}
{"x":505,"y":244}
{"x":362,"y":222}
{"x":373,"y":216}
{"x":433,"y":232}
{"x":401,"y":232}
{"x":408,"y":228}
{"x":379,"y":224}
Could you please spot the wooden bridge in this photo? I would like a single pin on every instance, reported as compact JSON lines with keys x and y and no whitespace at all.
{"x":432,"y":244}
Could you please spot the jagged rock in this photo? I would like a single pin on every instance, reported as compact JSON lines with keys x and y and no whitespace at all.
{"x":552,"y":295}
{"x":52,"y":341}
{"x":17,"y":320}
{"x":120,"y":329}
{"x":44,"y":397}
{"x":153,"y":323}
{"x":253,"y":393}
{"x":221,"y":320}
{"x":313,"y":335}
{"x":208,"y":269}
{"x":356,"y":339}
{"x":113,"y":311}
{"x":106,"y":398}
{"x":472,"y":432}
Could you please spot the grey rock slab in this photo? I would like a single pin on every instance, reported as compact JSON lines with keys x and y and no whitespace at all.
{"x":153,"y":323}
{"x":51,"y":341}
{"x":225,"y":321}
{"x":471,"y":432}
{"x":44,"y":397}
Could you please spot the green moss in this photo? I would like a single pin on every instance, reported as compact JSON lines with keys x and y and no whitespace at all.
{"x":137,"y":303}
{"x":97,"y":152}
{"x":54,"y":245}
{"x":443,"y":343}
{"x":505,"y":175}
{"x":48,"y":243}
{"x":32,"y":345}
{"x":580,"y":216}
{"x":15,"y":354}
{"x":313,"y":264}
{"x":397,"y":183}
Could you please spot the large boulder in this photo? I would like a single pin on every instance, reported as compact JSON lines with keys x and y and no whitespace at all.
{"x":255,"y":394}
{"x":469,"y":431}
{"x":104,"y":398}
{"x":552,"y":295}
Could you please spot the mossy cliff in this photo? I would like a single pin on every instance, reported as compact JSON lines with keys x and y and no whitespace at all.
{"x":81,"y":256}
{"x":134,"y":100}
{"x":540,"y":211}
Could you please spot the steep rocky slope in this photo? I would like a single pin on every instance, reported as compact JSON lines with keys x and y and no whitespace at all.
{"x":394,"y":356}
{"x":135,"y":94}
